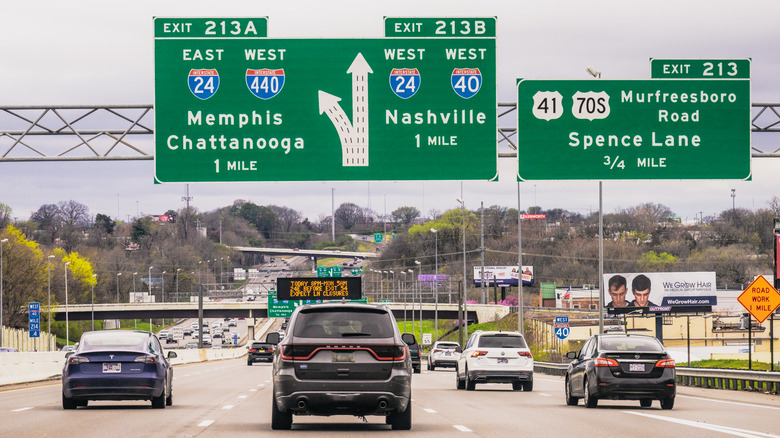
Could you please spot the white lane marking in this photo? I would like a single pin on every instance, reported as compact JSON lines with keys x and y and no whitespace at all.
{"x":205,"y":423}
{"x":729,"y":402}
{"x":461,"y":428}
{"x":242,"y":396}
{"x":21,"y":409}
{"x":227,"y":407}
{"x":544,"y":395}
{"x":253,"y":390}
{"x":262,"y":384}
{"x":714,"y":427}
{"x":430,"y":411}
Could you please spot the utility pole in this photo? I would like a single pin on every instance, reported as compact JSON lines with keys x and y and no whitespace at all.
{"x":482,"y":249}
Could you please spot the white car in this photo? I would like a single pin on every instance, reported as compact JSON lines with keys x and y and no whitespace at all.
{"x":206,"y":338}
{"x":443,"y":354}
{"x":163,"y":334}
{"x":495,"y":357}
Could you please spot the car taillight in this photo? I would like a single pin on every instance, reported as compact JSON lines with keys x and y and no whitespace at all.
{"x":526,"y":354}
{"x":252,"y":350}
{"x":605,"y":362}
{"x":306,"y":352}
{"x":478,"y":353}
{"x":146,"y":359}
{"x":75,"y":360}
{"x":665,"y":363}
{"x":436,"y":351}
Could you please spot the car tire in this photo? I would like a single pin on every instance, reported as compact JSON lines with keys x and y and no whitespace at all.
{"x":69,"y":403}
{"x":517,"y":386}
{"x":249,"y":363}
{"x":459,"y":383}
{"x":570,"y":399}
{"x":418,"y":370}
{"x":667,"y":403}
{"x":590,"y":400}
{"x":169,"y":399}
{"x":470,"y":384}
{"x":401,"y":420}
{"x":159,"y":402}
{"x":280,"y":420}
{"x":528,"y":386}
{"x":432,"y":367}
{"x":646,"y":402}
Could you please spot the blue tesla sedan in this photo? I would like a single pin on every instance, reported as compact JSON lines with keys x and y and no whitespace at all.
{"x":118,"y":365}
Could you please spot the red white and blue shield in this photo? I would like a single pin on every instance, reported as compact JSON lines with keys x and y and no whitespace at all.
{"x":466,"y":82}
{"x":203,"y":83}
{"x":265,"y":83}
{"x":405,"y":82}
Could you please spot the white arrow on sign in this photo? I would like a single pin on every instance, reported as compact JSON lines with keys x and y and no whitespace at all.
{"x":353,"y":134}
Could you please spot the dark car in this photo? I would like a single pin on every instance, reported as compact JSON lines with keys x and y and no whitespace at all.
{"x":117,"y":365}
{"x":414,"y":353}
{"x":342,"y":359}
{"x":260,"y":351}
{"x":621,"y":367}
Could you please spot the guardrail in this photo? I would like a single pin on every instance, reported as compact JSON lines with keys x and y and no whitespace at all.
{"x":713,"y":378}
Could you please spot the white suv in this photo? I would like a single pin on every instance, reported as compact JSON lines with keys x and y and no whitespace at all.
{"x":495,"y":357}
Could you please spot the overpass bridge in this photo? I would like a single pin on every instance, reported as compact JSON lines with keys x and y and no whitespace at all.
{"x":255,"y":309}
{"x":313,"y":253}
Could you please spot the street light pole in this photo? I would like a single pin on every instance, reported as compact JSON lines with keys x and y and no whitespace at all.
{"x":419,"y":293}
{"x":150,"y":282}
{"x":1,"y":290}
{"x":94,"y":279}
{"x":463,"y":313}
{"x":163,"y":285}
{"x":67,"y":322}
{"x":48,"y":298}
{"x":436,"y":287}
{"x":177,"y":284}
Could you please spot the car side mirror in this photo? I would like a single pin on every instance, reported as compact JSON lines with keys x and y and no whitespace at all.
{"x":272,"y":338}
{"x":409,"y":338}
{"x":458,"y":349}
{"x":571,"y":355}
{"x":172,"y":354}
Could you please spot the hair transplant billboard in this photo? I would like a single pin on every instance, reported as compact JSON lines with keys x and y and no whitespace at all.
{"x":659,"y":291}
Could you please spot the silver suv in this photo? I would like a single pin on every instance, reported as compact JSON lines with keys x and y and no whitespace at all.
{"x":342,"y":359}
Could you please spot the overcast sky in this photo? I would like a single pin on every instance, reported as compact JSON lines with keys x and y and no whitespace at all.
{"x":102,"y":53}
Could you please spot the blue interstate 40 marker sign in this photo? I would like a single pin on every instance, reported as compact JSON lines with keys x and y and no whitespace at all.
{"x":35,"y":319}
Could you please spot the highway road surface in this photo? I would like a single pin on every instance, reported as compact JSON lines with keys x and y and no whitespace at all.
{"x":230,"y":399}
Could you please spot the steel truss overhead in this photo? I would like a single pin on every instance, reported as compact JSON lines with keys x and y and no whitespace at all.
{"x":125,"y":132}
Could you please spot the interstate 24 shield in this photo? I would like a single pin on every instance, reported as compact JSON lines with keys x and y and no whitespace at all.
{"x":405,"y":82}
{"x":203,"y":83}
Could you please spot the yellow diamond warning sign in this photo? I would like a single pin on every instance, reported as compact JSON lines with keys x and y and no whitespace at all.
{"x":760,"y":299}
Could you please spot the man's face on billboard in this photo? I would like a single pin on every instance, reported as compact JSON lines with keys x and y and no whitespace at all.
{"x":642,"y":297}
{"x":618,"y":296}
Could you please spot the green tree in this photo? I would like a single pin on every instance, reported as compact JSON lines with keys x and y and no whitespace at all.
{"x":24,"y":276}
{"x":405,"y":215}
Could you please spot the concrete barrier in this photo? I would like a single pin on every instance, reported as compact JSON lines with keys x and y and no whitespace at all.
{"x":23,"y":367}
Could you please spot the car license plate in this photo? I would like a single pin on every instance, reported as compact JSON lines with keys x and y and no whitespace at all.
{"x":261,"y":351}
{"x":503,"y":360}
{"x":447,"y":353}
{"x":112,"y":367}
{"x":343,"y":357}
{"x":637,"y":367}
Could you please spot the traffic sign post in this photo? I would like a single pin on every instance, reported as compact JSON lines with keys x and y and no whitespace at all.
{"x":235,"y":106}
{"x":640,"y":129}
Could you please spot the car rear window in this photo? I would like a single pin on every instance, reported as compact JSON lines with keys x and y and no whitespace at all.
{"x":330,"y":323}
{"x":447,"y":345}
{"x":115,"y":340}
{"x":630,"y":344}
{"x":502,"y":341}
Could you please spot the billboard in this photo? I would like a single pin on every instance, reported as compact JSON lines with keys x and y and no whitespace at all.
{"x":503,"y":275}
{"x":659,"y":291}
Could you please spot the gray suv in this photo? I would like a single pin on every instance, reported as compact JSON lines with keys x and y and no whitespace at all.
{"x":342,"y":359}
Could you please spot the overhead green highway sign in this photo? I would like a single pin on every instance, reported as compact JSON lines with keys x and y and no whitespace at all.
{"x":416,"y":105}
{"x":699,"y":68}
{"x":633,"y":129}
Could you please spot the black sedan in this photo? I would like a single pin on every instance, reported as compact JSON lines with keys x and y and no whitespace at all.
{"x":118,"y":365}
{"x":621,"y":367}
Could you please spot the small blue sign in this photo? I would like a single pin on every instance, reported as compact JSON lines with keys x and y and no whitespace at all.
{"x":561,"y":319}
{"x":265,"y":83}
{"x":466,"y":82}
{"x":35,"y":319}
{"x":203,"y":83}
{"x":404,"y":82}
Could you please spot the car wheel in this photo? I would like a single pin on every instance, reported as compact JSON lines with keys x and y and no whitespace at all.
{"x":68,"y":403}
{"x":432,"y":367}
{"x":418,"y":370}
{"x":429,"y":366}
{"x":590,"y":400}
{"x":470,"y":384}
{"x":249,"y":363}
{"x":169,"y":399}
{"x":401,"y":420}
{"x":646,"y":402}
{"x":667,"y":403}
{"x":570,"y":399}
{"x":517,"y":386}
{"x":280,"y":420}
{"x":159,"y":402}
{"x":459,"y":384}
{"x":528,"y":386}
